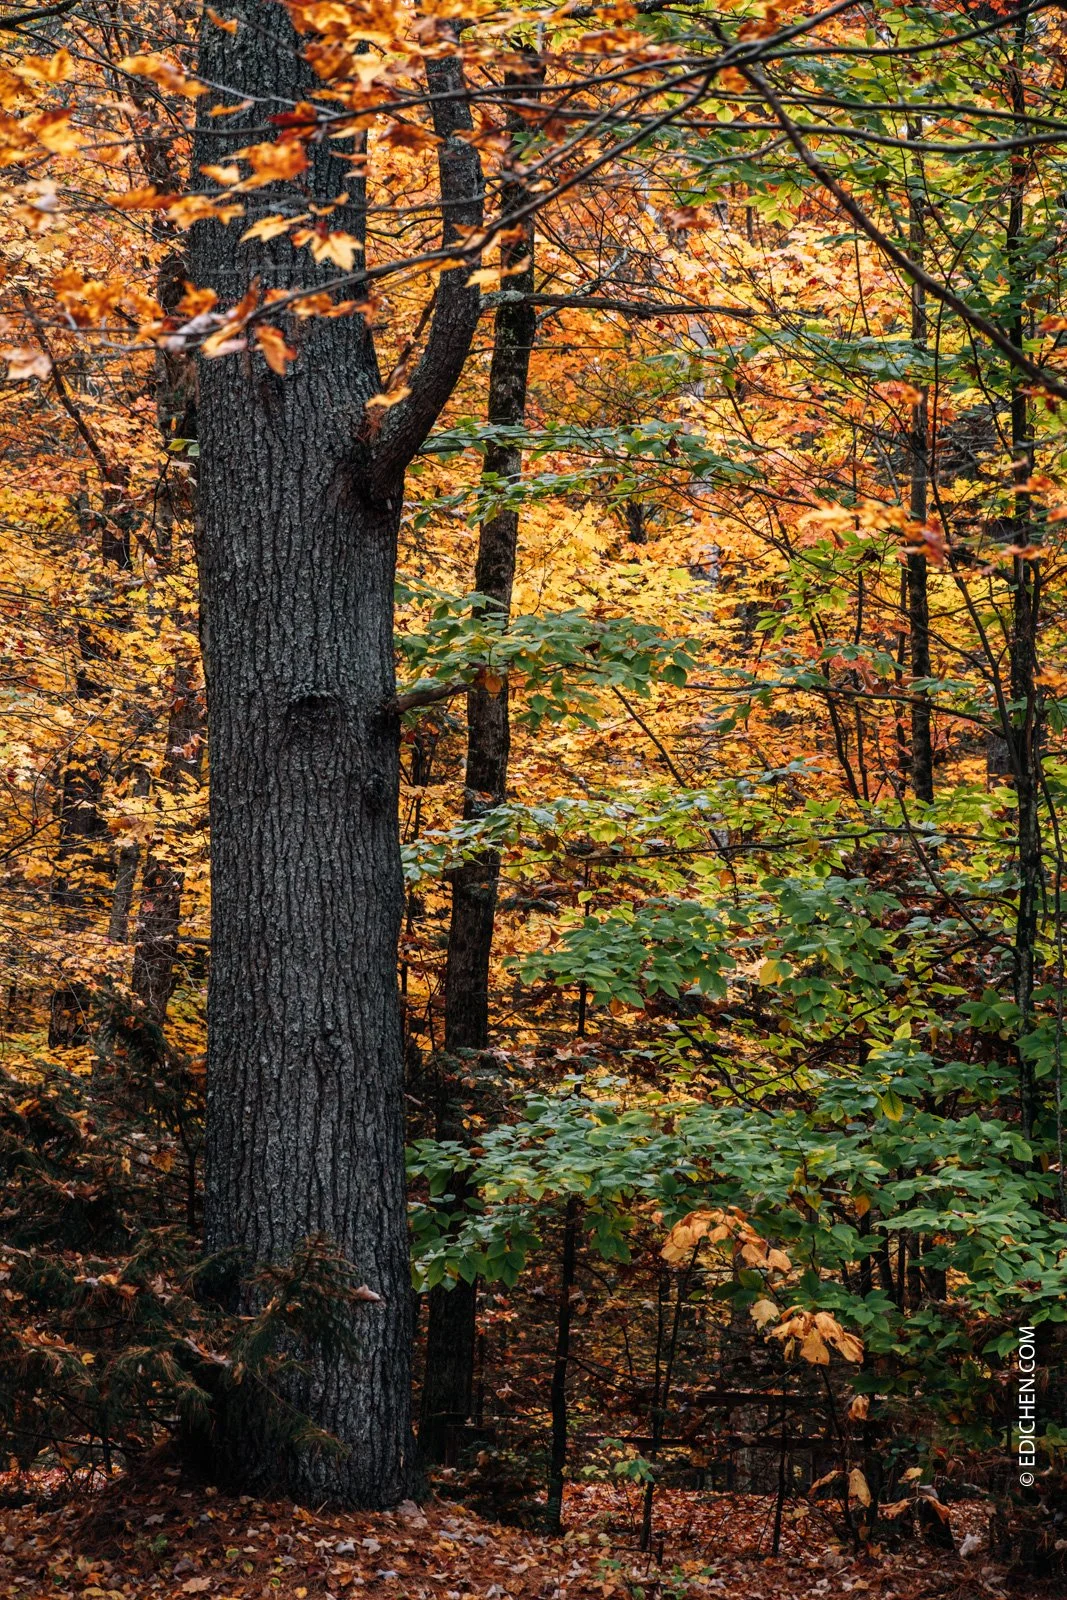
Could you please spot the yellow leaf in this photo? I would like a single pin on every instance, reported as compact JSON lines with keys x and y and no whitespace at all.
{"x":687,"y":1234}
{"x":198,"y":208}
{"x":230,"y":111}
{"x":860,"y":1407}
{"x":778,"y":1261}
{"x":225,"y":341}
{"x":812,"y":1349}
{"x":50,"y":69}
{"x":773,"y":971}
{"x":484,"y":278}
{"x":227,"y":24}
{"x":892,"y":1106}
{"x":850,"y":1347}
{"x":54,"y":130}
{"x":762,"y":1312}
{"x":382,"y":402}
{"x":857,"y":1487}
{"x":225,"y":175}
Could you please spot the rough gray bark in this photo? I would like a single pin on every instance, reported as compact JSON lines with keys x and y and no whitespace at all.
{"x":447,"y":1388}
{"x":299,"y":501}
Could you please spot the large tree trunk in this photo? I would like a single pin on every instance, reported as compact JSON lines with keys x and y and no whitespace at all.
{"x":299,"y":503}
{"x":448,"y":1382}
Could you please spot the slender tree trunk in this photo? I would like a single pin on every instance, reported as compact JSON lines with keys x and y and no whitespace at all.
{"x":175,"y":394}
{"x":451,"y":1327}
{"x":922,"y":752}
{"x":162,"y":883}
{"x":1026,"y":730}
{"x":83,"y":864}
{"x":558,"y":1459}
{"x":300,"y":492}
{"x":126,"y":862}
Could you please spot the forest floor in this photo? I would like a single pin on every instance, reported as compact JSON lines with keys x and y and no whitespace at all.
{"x":166,"y":1541}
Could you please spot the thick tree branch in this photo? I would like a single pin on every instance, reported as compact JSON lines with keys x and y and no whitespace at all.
{"x":22,"y":19}
{"x":458,"y":305}
{"x":639,"y":308}
{"x":430,"y":695}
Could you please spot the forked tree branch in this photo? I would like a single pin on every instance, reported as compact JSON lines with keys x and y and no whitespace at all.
{"x":458,"y":303}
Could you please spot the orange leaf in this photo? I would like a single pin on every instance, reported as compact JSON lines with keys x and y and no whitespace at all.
{"x":271,"y":227}
{"x":273,"y":347}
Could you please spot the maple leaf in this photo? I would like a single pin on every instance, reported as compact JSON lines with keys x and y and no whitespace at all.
{"x":196,"y":301}
{"x":145,"y":198}
{"x":55,"y":131}
{"x":340,"y":248}
{"x":56,"y":68}
{"x":270,"y":227}
{"x":408,"y":136}
{"x":164,"y":72}
{"x":273,"y":347}
{"x":198,"y":208}
{"x":683,"y":218}
{"x":273,"y":161}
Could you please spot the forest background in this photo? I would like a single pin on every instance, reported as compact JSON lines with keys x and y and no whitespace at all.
{"x":725,"y":680}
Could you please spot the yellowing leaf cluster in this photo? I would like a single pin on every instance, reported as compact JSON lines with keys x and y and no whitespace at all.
{"x":813,"y":1334}
{"x":730,"y":1228}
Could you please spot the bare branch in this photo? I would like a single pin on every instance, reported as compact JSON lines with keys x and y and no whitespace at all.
{"x":431,"y":695}
{"x":640,"y":308}
{"x":22,"y":19}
